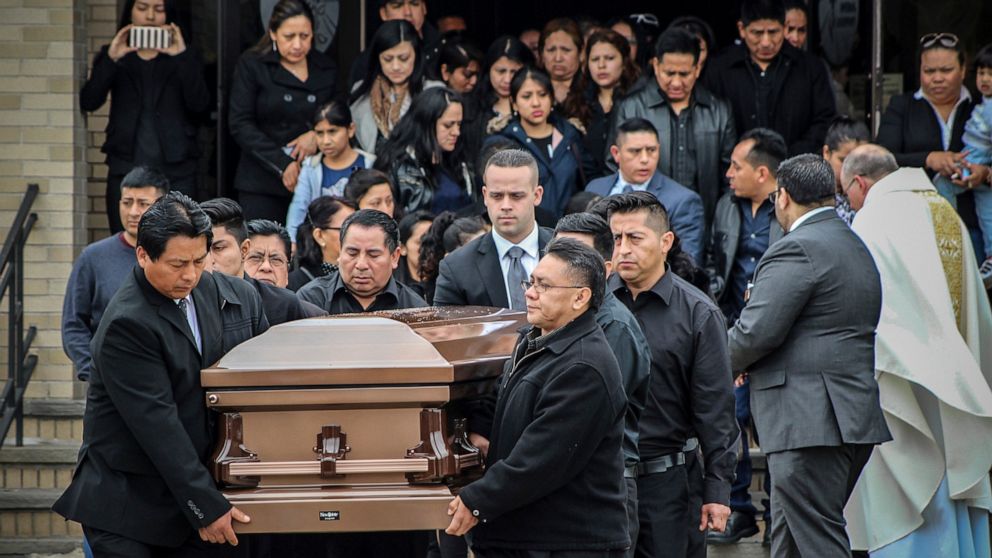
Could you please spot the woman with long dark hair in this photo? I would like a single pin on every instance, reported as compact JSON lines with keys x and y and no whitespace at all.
{"x":554,"y":142}
{"x":447,"y":233}
{"x":158,"y":97}
{"x":489,"y":108}
{"x":424,"y":157}
{"x":394,"y":76}
{"x":318,"y":240}
{"x":412,"y":227}
{"x":561,"y":48}
{"x":608,"y":74}
{"x":459,"y":63}
{"x":277,"y":87}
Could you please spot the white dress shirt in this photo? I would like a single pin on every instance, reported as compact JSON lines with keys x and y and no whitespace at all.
{"x":809,"y":214}
{"x":529,"y":260}
{"x":621,"y":184}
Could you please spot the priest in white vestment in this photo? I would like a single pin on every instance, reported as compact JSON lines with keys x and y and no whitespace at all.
{"x":927,"y":492}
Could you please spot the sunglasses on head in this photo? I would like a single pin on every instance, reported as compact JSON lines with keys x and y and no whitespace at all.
{"x":948,"y":40}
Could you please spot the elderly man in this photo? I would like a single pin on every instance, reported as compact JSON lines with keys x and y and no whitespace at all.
{"x":690,"y":405}
{"x":103,"y":266}
{"x":698,"y":127}
{"x":269,"y":252}
{"x":142,"y":486}
{"x":927,"y":491}
{"x":227,"y":257}
{"x":370,"y":251}
{"x":629,"y":347}
{"x":636,"y":152}
{"x":806,"y":338}
{"x":554,"y":472}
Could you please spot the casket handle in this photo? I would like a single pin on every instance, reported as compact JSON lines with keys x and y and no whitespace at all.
{"x":333,"y":446}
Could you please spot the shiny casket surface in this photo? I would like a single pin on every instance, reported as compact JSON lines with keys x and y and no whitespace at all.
{"x":355,"y":423}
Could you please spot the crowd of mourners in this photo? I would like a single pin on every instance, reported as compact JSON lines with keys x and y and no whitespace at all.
{"x":446,"y":174}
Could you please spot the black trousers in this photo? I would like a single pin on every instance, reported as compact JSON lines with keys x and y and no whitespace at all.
{"x":633,"y":524}
{"x":810,"y":487}
{"x":443,"y":545}
{"x":510,"y":553}
{"x":669,"y":508}
{"x":186,"y":185}
{"x":110,"y":545}
{"x":261,"y":206}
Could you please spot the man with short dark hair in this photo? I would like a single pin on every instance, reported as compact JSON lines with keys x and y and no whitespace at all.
{"x":806,"y":339}
{"x":698,"y":127}
{"x":370,"y":251}
{"x":488,"y":270}
{"x":636,"y":151}
{"x":744,"y":226}
{"x":102,"y":266}
{"x":227,"y":257}
{"x":142,"y":486}
{"x":772,"y":84}
{"x":629,"y":346}
{"x":554,"y":472}
{"x":690,"y":411}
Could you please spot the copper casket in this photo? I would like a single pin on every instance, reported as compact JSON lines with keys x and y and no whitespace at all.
{"x":355,"y":423}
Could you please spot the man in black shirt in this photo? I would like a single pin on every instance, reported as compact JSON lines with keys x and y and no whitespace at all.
{"x":690,"y":405}
{"x":771,"y":84}
{"x":370,"y":251}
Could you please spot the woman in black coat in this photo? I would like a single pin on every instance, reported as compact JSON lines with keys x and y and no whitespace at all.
{"x":278,"y":86}
{"x":157,"y":96}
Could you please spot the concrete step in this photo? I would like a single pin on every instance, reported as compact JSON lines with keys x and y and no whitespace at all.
{"x":69,"y":547}
{"x":38,"y":464}
{"x":26,"y":514}
{"x":53,"y":419}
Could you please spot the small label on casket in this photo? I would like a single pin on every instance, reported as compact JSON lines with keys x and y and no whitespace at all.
{"x":329,"y":515}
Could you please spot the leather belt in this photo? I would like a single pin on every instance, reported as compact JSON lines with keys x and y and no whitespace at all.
{"x":663,"y":463}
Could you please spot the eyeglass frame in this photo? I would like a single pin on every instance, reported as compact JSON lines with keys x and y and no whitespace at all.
{"x":541,"y":288}
{"x":773,"y":197}
{"x":847,"y":189}
{"x":268,"y":257}
{"x":931,"y":39}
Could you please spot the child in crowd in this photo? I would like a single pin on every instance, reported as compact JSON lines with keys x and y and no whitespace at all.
{"x":371,"y":189}
{"x":978,"y":145}
{"x":326,"y":172}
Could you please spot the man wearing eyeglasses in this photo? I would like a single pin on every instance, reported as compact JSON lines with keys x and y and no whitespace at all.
{"x":227,"y":256}
{"x":554,"y":481}
{"x":689,"y":416}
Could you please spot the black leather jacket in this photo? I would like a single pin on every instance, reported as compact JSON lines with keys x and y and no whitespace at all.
{"x":713,"y":131}
{"x":415,"y":184}
{"x":722,"y":248}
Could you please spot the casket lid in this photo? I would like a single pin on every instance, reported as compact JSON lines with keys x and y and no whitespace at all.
{"x":365,"y":349}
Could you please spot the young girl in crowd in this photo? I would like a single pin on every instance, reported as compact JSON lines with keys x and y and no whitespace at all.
{"x":447,"y":233}
{"x":327,"y":172}
{"x":318,"y":240}
{"x":608,"y":74}
{"x":560,"y":47}
{"x":842,"y":137}
{"x":371,"y":189}
{"x":978,"y":144}
{"x":393,"y":78}
{"x":278,"y":86}
{"x":412,"y":227}
{"x":424,"y":158}
{"x":459,"y":64}
{"x":157,"y":96}
{"x":554,"y":142}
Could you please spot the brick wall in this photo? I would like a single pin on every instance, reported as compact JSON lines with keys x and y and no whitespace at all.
{"x":42,"y":139}
{"x":101,"y":23}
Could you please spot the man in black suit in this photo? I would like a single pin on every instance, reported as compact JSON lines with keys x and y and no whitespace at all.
{"x":488,"y":270}
{"x":141,"y":487}
{"x":807,"y":340}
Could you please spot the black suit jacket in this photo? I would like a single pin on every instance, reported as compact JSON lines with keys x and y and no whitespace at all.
{"x":142,"y":469}
{"x":472,"y":276}
{"x":909,"y":129}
